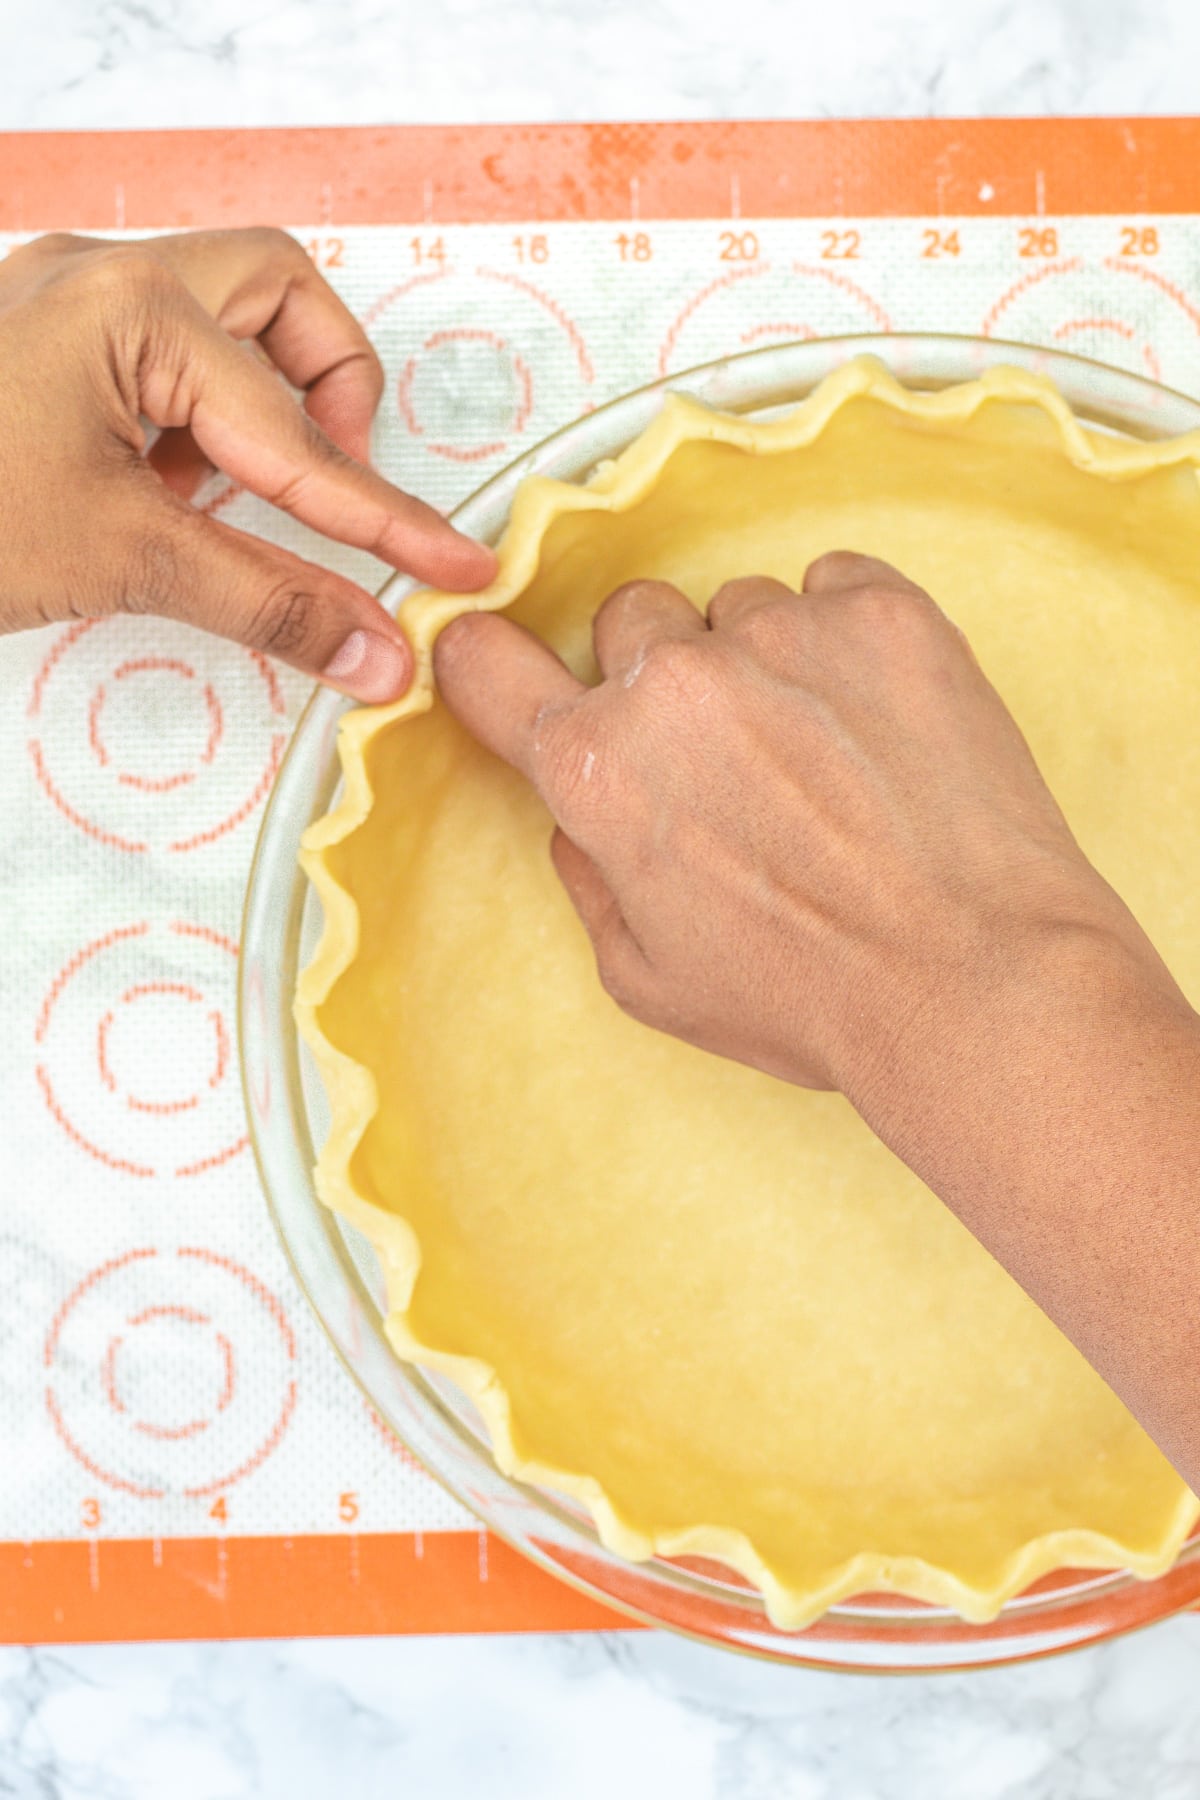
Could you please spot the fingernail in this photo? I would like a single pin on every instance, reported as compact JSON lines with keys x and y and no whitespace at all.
{"x":369,"y":668}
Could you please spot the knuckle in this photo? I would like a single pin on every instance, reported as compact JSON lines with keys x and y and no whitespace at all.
{"x":463,"y":647}
{"x":274,"y":242}
{"x":115,"y":278}
{"x":837,"y":568}
{"x":899,"y":611}
{"x":581,"y":778}
{"x":82,"y":589}
{"x":455,"y":643}
{"x":51,"y":243}
{"x":619,"y":979}
{"x":747,"y":587}
{"x":95,"y":273}
{"x":153,"y":578}
{"x":286,"y":621}
{"x":622,"y":606}
{"x":317,"y":454}
{"x":740,"y":599}
{"x":675,"y":672}
{"x":631,"y":593}
{"x":611,"y":980}
{"x":770,"y":626}
{"x":631,"y":981}
{"x":136,"y":267}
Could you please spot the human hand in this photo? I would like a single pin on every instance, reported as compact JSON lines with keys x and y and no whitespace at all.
{"x":192,"y":333}
{"x":803,"y":832}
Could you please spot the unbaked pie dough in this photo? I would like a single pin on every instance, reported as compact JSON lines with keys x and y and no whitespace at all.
{"x":710,"y":1305}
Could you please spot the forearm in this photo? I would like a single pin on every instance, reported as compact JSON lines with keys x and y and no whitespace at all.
{"x":1061,"y":1122}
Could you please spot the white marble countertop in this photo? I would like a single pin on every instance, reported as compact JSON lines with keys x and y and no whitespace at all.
{"x":629,"y":1714}
{"x":78,"y":63}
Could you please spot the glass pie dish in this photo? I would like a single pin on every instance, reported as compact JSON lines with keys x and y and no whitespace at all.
{"x":286,"y":1105}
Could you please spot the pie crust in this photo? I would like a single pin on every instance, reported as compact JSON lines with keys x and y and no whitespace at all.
{"x":711,"y":1306}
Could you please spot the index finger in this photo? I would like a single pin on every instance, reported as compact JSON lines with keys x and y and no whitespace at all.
{"x":504,"y":685}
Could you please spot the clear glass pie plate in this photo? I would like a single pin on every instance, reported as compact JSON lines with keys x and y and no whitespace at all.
{"x":338,"y":1270}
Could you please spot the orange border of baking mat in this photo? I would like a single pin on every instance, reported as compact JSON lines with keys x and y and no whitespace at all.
{"x":97,"y":1590}
{"x":868,"y":168}
{"x":94,"y":1588}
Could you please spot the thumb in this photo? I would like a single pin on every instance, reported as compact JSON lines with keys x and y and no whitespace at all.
{"x":186,"y":566}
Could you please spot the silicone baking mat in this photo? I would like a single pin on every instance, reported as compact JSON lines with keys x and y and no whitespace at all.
{"x":181,"y":1453}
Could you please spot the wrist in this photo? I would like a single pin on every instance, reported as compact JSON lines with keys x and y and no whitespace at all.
{"x":956,"y":1045}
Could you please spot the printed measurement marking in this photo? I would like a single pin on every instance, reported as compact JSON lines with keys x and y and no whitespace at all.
{"x":840,"y":246}
{"x":532,"y":249}
{"x":939,"y":243}
{"x":738,"y":246}
{"x":1139,"y":240}
{"x":634,"y":246}
{"x":327,"y":252}
{"x":1037,"y":240}
{"x":428,"y":250}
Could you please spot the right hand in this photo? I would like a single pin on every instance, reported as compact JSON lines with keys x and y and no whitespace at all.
{"x":803,"y":831}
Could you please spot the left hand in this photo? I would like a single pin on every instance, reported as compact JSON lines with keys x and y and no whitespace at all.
{"x":193,"y":333}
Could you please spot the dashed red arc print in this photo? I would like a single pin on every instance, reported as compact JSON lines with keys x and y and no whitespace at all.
{"x":134,"y":1061}
{"x":495,"y":364}
{"x":164,"y":750}
{"x":170,"y":1372}
{"x":1115,"y":310}
{"x":462,"y":391}
{"x":761,"y":303}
